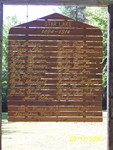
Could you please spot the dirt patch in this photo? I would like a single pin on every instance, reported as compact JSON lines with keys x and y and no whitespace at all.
{"x":54,"y":136}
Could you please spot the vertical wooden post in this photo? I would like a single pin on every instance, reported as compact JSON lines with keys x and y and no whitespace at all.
{"x":1,"y":31}
{"x":110,"y":80}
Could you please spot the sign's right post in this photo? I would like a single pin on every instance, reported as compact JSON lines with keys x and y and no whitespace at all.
{"x":110,"y":80}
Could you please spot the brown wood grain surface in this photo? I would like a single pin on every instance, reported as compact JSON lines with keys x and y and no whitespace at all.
{"x":54,"y":86}
{"x":75,"y":56}
{"x":70,"y":94}
{"x":56,"y":23}
{"x":55,"y":71}
{"x":56,"y":119}
{"x":53,"y":113}
{"x":50,"y":31}
{"x":59,"y":37}
{"x":53,"y":103}
{"x":57,"y":108}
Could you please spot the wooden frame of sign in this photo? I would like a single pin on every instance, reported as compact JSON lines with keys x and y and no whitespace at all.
{"x":110,"y":51}
{"x":55,"y":71}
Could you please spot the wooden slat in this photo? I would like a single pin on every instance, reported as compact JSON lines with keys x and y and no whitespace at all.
{"x":52,"y":95}
{"x":63,"y":89}
{"x":47,"y":61}
{"x":70,"y":95}
{"x":22,"y":52}
{"x":61,"y":58}
{"x":79,"y":81}
{"x":54,"y":71}
{"x":36,"y":108}
{"x":30,"y":37}
{"x":55,"y":51}
{"x":48,"y":73}
{"x":54,"y":62}
{"x":56,"y":23}
{"x":30,"y":72}
{"x":53,"y":103}
{"x":48,"y":70}
{"x":36,"y":114}
{"x":63,"y":86}
{"x":64,"y":119}
{"x":64,"y":57}
{"x":63,"y":43}
{"x":61,"y":82}
{"x":55,"y":31}
{"x":76,"y":80}
{"x":70,"y":90}
{"x":53,"y":65}
{"x":63,"y":61}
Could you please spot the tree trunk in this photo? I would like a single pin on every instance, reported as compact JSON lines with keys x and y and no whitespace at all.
{"x":110,"y":80}
{"x":1,"y":30}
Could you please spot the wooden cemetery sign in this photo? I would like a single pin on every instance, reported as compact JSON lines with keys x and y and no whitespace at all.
{"x":55,"y":71}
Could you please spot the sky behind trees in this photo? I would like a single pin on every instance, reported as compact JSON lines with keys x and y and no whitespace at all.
{"x":33,"y":12}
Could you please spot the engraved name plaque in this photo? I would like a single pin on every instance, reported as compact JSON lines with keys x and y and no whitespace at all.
{"x":55,"y":71}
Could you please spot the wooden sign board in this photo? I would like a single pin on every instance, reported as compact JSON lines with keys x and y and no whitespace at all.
{"x":55,"y":71}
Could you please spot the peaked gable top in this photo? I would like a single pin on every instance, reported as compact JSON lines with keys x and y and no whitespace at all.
{"x":55,"y":17}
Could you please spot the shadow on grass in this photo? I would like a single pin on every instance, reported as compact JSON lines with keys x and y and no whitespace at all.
{"x":5,"y":129}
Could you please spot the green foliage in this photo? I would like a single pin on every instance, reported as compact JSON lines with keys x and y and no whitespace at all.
{"x":74,"y":12}
{"x":9,"y":22}
{"x":98,"y":17}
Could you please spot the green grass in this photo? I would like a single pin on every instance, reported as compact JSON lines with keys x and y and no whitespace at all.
{"x":4,"y":116}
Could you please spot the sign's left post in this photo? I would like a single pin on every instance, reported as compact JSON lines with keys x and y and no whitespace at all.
{"x":1,"y":34}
